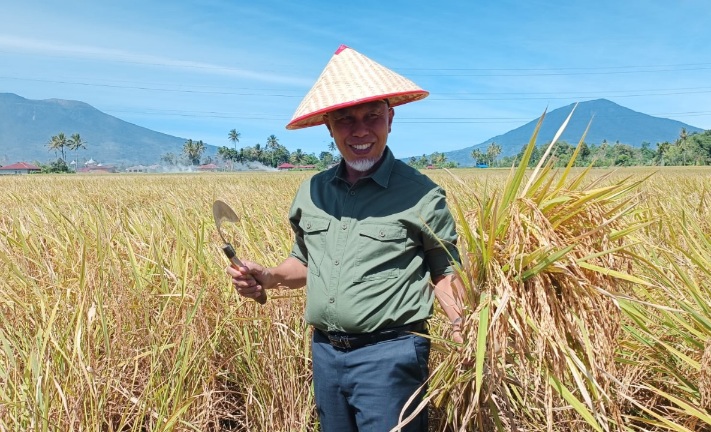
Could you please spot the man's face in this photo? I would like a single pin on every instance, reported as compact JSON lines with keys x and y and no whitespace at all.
{"x":361,"y":132}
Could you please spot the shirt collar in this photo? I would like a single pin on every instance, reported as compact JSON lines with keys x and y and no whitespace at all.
{"x":381,"y":176}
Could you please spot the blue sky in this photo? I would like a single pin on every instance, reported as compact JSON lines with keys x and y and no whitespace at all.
{"x":197,"y":69}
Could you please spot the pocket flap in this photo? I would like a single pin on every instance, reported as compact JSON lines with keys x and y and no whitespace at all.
{"x":383,"y":232}
{"x":312,"y":224}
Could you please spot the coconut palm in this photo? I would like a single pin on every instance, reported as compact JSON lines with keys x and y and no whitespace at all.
{"x":193,"y":150}
{"x":682,"y":143}
{"x":492,"y":152}
{"x":272,"y":147}
{"x":58,"y":143}
{"x":76,"y":143}
{"x":233,"y":136}
{"x":297,"y":157}
{"x":478,"y":156}
{"x":438,"y":159}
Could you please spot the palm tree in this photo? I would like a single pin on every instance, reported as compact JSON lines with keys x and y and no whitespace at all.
{"x":53,"y":144}
{"x":492,"y":152}
{"x":438,"y":159}
{"x":682,"y":144}
{"x":272,"y":146}
{"x":478,"y":156}
{"x":193,"y":150}
{"x":297,"y":157}
{"x":199,"y":150}
{"x":257,"y":152}
{"x":227,"y":154}
{"x":75,"y":143}
{"x":58,"y":142}
{"x":233,"y":136}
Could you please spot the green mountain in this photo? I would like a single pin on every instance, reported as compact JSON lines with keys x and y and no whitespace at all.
{"x":26,"y":127}
{"x":610,"y":122}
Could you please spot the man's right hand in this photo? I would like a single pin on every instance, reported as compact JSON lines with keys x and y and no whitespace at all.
{"x":251,"y":280}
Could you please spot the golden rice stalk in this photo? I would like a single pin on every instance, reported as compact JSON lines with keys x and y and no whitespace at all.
{"x":669,"y":340}
{"x":540,"y":264}
{"x":705,"y":380}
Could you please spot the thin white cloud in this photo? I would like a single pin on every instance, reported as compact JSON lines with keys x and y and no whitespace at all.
{"x":33,"y":46}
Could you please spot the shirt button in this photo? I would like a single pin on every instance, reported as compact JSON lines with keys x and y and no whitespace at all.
{"x":381,"y":234}
{"x":353,"y":193}
{"x":336,"y":262}
{"x":331,"y":300}
{"x":344,"y":226}
{"x":308,"y":225}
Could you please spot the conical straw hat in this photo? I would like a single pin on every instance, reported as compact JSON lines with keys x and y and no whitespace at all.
{"x":350,"y":78}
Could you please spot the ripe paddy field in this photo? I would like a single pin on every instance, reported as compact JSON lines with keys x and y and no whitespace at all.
{"x":116,"y":313}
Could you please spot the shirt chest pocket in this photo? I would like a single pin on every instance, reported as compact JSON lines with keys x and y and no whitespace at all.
{"x":315,"y":230}
{"x":381,"y":252}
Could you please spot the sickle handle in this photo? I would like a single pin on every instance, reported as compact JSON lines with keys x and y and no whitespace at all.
{"x":230,"y":253}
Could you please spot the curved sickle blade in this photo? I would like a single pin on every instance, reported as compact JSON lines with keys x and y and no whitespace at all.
{"x":224,"y":213}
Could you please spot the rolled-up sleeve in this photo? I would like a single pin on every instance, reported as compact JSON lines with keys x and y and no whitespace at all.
{"x":298,"y":250}
{"x":439,"y":235}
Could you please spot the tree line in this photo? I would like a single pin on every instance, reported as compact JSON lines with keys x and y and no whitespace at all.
{"x":272,"y":154}
{"x":60,"y":144}
{"x":687,"y":149}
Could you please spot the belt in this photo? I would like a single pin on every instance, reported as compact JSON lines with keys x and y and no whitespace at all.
{"x":351,"y":341}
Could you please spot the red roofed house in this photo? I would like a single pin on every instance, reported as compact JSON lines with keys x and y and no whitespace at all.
{"x":285,"y":166}
{"x":208,"y":167}
{"x":97,"y":169}
{"x":19,"y":168}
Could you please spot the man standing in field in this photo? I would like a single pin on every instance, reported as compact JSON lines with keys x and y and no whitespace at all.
{"x":372,"y":238}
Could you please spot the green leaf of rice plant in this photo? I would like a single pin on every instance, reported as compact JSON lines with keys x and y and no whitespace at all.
{"x":481,"y":338}
{"x":574,"y":402}
{"x":687,"y":407}
{"x":614,"y":273}
{"x":513,"y":184}
{"x":546,"y":261}
{"x":548,"y":150}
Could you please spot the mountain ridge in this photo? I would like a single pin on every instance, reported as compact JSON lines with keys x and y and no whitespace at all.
{"x":608,"y":121}
{"x":26,"y":127}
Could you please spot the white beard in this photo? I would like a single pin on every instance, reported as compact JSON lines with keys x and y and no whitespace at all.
{"x":362,"y":165}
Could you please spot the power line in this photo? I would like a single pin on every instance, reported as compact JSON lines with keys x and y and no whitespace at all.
{"x":556,"y":70}
{"x":686,"y":65}
{"x":568,"y":92}
{"x":617,"y":72}
{"x":604,"y":94}
{"x":436,"y":96}
{"x":137,"y":87}
{"x":429,"y":120}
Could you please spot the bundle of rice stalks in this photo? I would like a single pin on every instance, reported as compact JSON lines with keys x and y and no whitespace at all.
{"x":541,"y":261}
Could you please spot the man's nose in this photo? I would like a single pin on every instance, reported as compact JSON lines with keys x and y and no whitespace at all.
{"x":359,"y":128}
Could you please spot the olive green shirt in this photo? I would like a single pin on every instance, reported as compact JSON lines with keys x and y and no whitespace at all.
{"x":372,"y":248}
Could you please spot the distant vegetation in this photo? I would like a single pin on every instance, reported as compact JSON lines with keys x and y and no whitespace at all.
{"x":60,"y":144}
{"x":688,"y":150}
{"x":272,"y":154}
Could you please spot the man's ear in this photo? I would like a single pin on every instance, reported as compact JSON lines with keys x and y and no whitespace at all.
{"x":328,"y":125}
{"x":391,"y":115}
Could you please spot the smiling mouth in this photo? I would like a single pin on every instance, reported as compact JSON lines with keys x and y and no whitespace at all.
{"x":361,"y":148}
